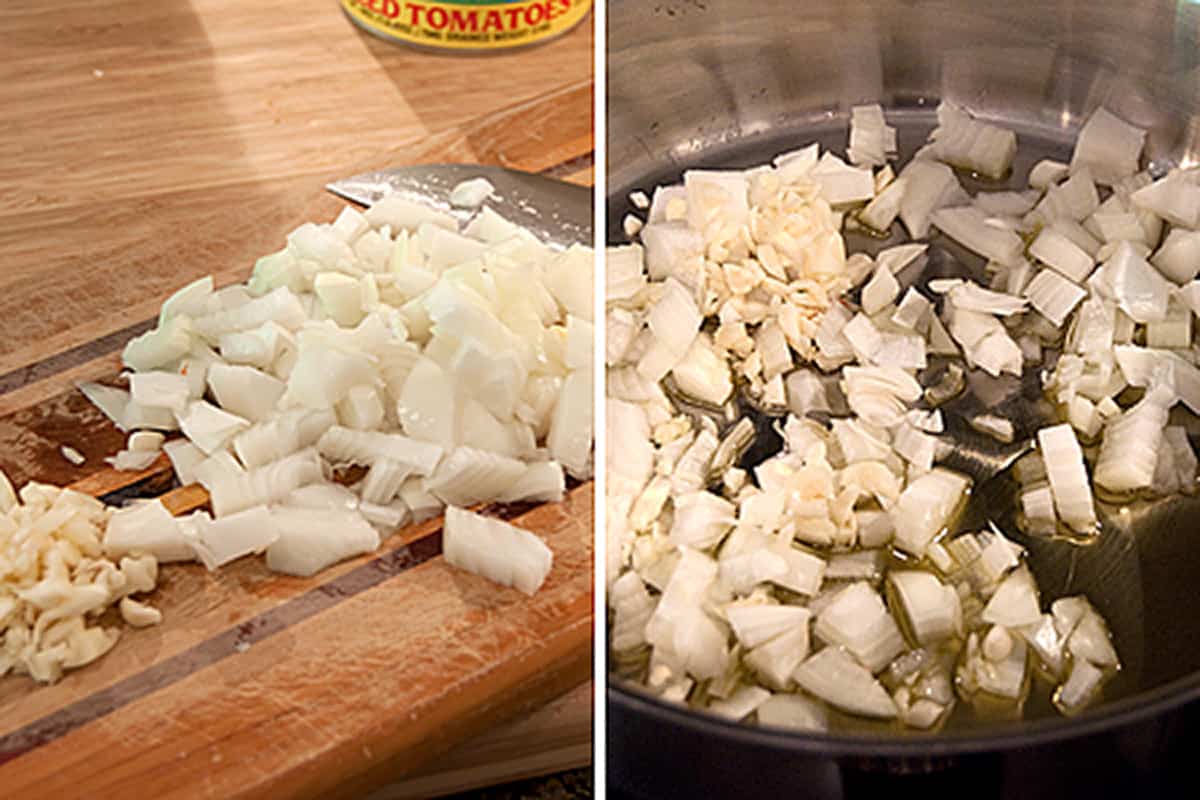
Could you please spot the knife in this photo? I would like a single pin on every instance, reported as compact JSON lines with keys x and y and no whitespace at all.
{"x":553,"y":210}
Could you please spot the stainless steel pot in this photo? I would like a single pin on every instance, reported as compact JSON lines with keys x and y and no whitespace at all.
{"x":729,"y":83}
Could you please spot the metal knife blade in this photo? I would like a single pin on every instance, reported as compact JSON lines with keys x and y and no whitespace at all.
{"x":554,"y":211}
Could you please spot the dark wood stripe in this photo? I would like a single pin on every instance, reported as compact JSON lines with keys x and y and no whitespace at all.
{"x":222,"y":646}
{"x":74,"y":357}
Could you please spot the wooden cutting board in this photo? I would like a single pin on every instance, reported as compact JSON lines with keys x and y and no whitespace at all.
{"x":147,"y":144}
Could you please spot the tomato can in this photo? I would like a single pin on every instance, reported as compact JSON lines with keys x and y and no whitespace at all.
{"x":467,"y":25}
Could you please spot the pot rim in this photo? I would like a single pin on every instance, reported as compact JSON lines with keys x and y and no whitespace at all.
{"x":1008,"y":736}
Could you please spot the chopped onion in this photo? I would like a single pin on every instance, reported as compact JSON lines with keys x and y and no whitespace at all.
{"x":1179,"y":256}
{"x":1130,"y":450}
{"x":840,"y":183}
{"x":130,"y":460}
{"x":160,"y":390}
{"x":111,"y":401}
{"x":930,"y":607}
{"x":1108,"y":146}
{"x":245,"y":391}
{"x":968,"y":226}
{"x":792,"y":711}
{"x":880,"y":291}
{"x":965,"y":142}
{"x":1175,"y":198}
{"x":925,"y":507}
{"x":871,"y":138}
{"x":496,"y":550}
{"x":1046,"y":173}
{"x":777,"y":658}
{"x":912,"y":311}
{"x":858,"y":620}
{"x":836,"y":678}
{"x":970,"y":296}
{"x":1068,"y":477}
{"x":741,"y":704}
{"x":467,"y":476}
{"x":1053,"y":296}
{"x":146,"y":528}
{"x":313,"y":539}
{"x":1137,"y":288}
{"x":930,"y":187}
{"x":756,"y":624}
{"x":1015,"y":602}
{"x":883,"y":209}
{"x":218,"y":542}
{"x":210,"y":428}
{"x":1080,"y":688}
{"x":1060,"y":253}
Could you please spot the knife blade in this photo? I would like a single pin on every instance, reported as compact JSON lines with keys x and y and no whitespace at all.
{"x":555,"y":211}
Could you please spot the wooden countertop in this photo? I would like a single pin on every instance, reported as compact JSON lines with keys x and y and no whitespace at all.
{"x":145,"y":144}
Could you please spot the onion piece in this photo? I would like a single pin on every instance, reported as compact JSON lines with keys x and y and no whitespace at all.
{"x":111,"y":401}
{"x":871,"y":138}
{"x":210,"y":428}
{"x":467,"y":476}
{"x":146,"y":528}
{"x":1068,"y":477}
{"x":930,"y":607}
{"x":1108,"y":146}
{"x":541,"y":482}
{"x":1136,"y":287}
{"x":925,"y":507}
{"x":912,"y":310}
{"x":1046,"y":173}
{"x":1060,"y":253}
{"x":1129,"y":453}
{"x":756,"y":624}
{"x":963,"y":141}
{"x":130,"y":460}
{"x":1053,"y":296}
{"x":245,"y":391}
{"x":496,"y":550}
{"x":792,"y":711}
{"x":346,"y":446}
{"x":836,"y":678}
{"x":1080,"y":688}
{"x":970,"y":296}
{"x":880,"y":291}
{"x":968,"y":226}
{"x":471,"y":193}
{"x":1179,"y":256}
{"x":857,"y":619}
{"x":777,"y":658}
{"x":931,"y":186}
{"x":881,"y":212}
{"x":741,"y":704}
{"x":218,"y":542}
{"x":701,"y":519}
{"x":1175,"y":198}
{"x":805,"y":571}
{"x":232,"y":492}
{"x":312,"y":539}
{"x":160,"y":390}
{"x":1015,"y":602}
{"x":840,"y":183}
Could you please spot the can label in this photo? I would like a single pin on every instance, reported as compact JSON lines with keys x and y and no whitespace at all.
{"x":468,"y":24}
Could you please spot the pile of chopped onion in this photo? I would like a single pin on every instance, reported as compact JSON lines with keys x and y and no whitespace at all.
{"x":451,"y":367}
{"x":833,"y":574}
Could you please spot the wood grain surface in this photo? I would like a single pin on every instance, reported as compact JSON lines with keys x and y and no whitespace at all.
{"x":145,"y":144}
